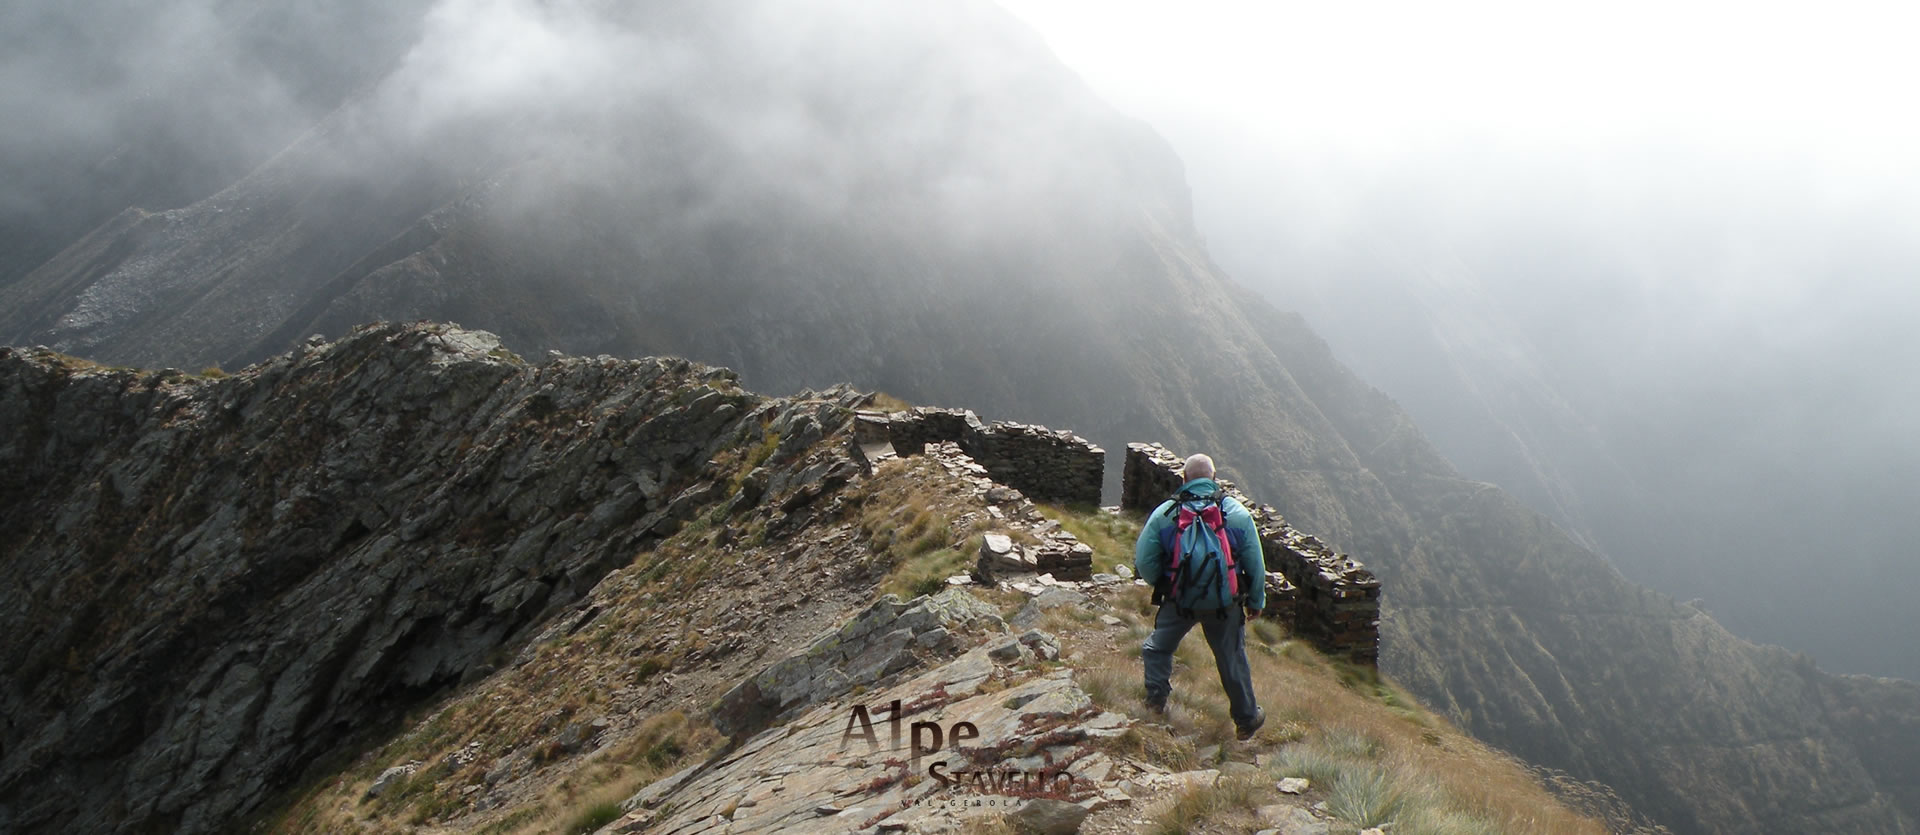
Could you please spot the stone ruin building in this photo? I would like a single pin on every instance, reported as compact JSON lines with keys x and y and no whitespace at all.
{"x":1322,"y":596}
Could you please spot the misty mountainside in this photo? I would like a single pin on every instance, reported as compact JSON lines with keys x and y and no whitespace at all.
{"x":921,"y":200}
{"x":1680,"y":361}
{"x":109,"y":114}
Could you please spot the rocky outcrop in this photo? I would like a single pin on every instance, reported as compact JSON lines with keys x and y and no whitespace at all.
{"x":845,"y":765}
{"x":890,"y":636}
{"x":212,"y":580}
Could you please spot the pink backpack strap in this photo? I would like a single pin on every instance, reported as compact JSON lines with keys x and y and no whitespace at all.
{"x":1217,"y":526}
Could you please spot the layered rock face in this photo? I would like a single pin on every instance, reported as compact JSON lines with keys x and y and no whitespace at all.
{"x":211,"y":581}
{"x":885,"y":639}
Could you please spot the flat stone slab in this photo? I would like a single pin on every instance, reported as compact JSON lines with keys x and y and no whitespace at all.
{"x":1029,"y":734}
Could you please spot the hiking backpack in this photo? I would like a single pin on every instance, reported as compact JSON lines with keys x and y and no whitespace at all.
{"x":1201,"y":573}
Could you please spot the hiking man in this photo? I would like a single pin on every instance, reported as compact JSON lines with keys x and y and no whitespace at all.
{"x":1202,"y":552}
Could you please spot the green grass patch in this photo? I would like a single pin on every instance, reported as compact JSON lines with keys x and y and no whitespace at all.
{"x":1315,"y":764}
{"x":1268,"y":633}
{"x":1111,"y":536}
{"x":925,"y":574}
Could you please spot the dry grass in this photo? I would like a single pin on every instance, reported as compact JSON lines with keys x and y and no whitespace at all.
{"x":1373,"y":754}
{"x":888,"y":403}
{"x":920,"y":537}
{"x":913,"y":534}
{"x":591,"y":797}
{"x":988,"y":825}
{"x":1236,"y":797}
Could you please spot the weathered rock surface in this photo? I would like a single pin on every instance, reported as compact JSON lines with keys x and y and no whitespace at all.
{"x":209,"y":582}
{"x":820,"y":772}
{"x":890,"y":636}
{"x":1046,"y":816}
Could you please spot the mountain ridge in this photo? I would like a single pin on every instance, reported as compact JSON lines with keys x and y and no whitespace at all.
{"x":1080,"y":298}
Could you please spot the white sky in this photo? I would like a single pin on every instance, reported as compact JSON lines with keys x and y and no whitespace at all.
{"x":1835,"y":81}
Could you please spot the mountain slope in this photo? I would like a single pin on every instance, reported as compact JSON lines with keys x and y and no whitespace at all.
{"x":215,"y":580}
{"x":1030,"y":253}
{"x":232,"y":584}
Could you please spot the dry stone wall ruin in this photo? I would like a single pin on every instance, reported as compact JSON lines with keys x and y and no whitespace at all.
{"x":1048,"y":466}
{"x":1323,"y":596}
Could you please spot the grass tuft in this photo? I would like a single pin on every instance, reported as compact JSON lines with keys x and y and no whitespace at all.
{"x":593,"y":817}
{"x":1364,"y":797}
{"x":1208,"y":802}
{"x":1349,"y":744}
{"x":1313,"y":763}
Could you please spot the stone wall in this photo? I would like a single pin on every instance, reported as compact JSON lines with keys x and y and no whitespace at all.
{"x":1046,"y":465}
{"x":1325,"y":597}
{"x":1150,"y":476}
{"x":1336,"y":599}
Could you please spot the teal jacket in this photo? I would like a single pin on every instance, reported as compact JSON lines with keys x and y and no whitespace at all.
{"x":1151,"y":551}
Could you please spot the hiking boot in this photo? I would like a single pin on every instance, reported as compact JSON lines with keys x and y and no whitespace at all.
{"x":1247,"y":730}
{"x":1157,"y":706}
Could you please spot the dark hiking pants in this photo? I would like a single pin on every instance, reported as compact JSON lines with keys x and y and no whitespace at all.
{"x":1226,"y":636}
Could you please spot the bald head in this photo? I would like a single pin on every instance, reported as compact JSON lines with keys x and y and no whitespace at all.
{"x":1197,"y":466}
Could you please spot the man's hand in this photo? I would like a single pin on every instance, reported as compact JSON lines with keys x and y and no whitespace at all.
{"x":1252,"y":613}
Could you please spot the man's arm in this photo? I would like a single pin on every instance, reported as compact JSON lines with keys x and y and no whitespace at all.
{"x":1250,"y":556}
{"x":1149,"y":557}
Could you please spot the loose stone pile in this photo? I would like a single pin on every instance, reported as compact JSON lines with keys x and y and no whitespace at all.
{"x":1058,"y":555}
